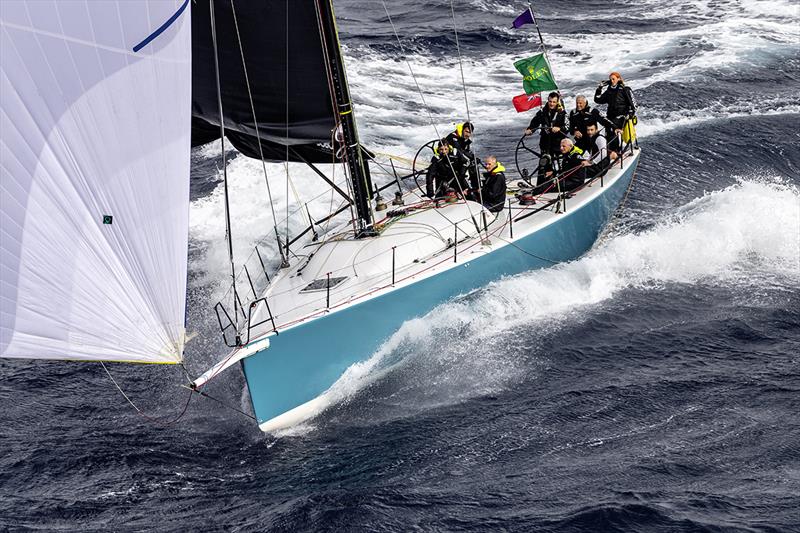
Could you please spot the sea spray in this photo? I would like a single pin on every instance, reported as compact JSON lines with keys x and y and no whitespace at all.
{"x":735,"y":235}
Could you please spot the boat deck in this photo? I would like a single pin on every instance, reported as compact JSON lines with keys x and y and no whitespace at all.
{"x":417,"y":240}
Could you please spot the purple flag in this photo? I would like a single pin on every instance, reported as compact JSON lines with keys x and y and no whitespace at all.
{"x":525,"y":18}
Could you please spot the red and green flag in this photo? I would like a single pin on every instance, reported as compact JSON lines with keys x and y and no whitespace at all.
{"x":536,"y":74}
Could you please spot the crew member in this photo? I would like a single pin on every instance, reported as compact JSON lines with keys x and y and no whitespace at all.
{"x":621,"y":104}
{"x":580,"y":117}
{"x":597,"y":149}
{"x":461,"y":141}
{"x":552,"y":120}
{"x":493,"y":192}
{"x":442,"y":172}
{"x":573,"y":169}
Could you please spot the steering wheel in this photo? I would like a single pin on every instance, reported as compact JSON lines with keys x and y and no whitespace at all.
{"x":522,"y":147}
{"x":423,"y":152}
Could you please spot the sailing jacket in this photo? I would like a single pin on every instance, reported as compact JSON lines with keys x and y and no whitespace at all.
{"x":620,"y":100}
{"x":441,"y":172}
{"x":463,"y":145}
{"x":494,"y":189}
{"x":579,"y":118}
{"x":549,"y":142}
{"x":572,"y":167}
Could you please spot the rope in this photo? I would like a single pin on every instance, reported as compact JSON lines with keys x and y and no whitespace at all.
{"x":521,"y":249}
{"x":427,"y":109}
{"x":157,"y":421}
{"x":466,"y":100}
{"x":223,"y":404}
{"x":286,"y":119}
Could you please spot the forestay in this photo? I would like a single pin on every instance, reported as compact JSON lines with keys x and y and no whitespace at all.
{"x":95,"y":163}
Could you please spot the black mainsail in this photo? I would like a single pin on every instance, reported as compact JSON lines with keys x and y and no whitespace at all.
{"x":287,"y":73}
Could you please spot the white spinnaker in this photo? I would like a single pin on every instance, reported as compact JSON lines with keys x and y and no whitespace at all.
{"x":89,"y":128}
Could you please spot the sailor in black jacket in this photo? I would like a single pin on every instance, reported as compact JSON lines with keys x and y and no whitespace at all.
{"x":442,"y":172}
{"x":493,"y":192}
{"x":582,"y":115}
{"x":553,"y":122}
{"x":620,"y":100}
{"x":573,"y":166}
{"x":461,"y":140}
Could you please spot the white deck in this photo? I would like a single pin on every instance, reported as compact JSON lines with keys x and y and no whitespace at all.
{"x":423,"y":246}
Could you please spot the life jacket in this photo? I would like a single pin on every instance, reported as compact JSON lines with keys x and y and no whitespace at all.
{"x":571,"y":159}
{"x":575,"y":151}
{"x":497,"y":169}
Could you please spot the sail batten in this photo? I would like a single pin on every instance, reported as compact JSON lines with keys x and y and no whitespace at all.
{"x":95,"y":164}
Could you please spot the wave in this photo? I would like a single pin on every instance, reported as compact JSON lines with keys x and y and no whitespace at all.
{"x":654,"y":125}
{"x":722,"y":43}
{"x":392,"y":118}
{"x":745,"y":234}
{"x":251,"y":216}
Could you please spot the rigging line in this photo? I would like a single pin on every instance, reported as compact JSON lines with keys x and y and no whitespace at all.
{"x":224,"y":167}
{"x":333,"y":179}
{"x":223,"y":404}
{"x":151,"y":419}
{"x":255,"y":121}
{"x":286,"y":119}
{"x":466,"y":100}
{"x":428,"y":110}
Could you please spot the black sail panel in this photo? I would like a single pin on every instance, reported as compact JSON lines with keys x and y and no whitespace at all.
{"x":273,"y":66}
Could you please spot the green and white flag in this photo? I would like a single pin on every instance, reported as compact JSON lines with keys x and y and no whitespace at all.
{"x":536,"y":74}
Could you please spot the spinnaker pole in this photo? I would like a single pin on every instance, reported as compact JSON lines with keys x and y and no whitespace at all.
{"x":343,"y":107}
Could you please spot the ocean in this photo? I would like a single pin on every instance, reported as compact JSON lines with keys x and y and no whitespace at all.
{"x":650,"y":385}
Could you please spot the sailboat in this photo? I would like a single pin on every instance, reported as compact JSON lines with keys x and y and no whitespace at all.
{"x":101,"y":107}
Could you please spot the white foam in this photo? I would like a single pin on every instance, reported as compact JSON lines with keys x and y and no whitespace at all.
{"x":251,"y":217}
{"x":392,"y":115}
{"x":651,"y":124}
{"x":731,"y":237}
{"x":392,"y":119}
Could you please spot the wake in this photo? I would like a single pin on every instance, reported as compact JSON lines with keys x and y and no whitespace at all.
{"x":743,"y":235}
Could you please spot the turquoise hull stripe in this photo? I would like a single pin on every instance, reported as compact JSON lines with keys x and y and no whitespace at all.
{"x":303,"y":362}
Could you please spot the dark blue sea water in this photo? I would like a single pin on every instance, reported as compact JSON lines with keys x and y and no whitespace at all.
{"x":652,"y":385}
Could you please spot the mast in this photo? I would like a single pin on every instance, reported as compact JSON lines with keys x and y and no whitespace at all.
{"x":343,"y":107}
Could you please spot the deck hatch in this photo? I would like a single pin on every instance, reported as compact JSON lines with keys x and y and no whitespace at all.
{"x":322,"y":284}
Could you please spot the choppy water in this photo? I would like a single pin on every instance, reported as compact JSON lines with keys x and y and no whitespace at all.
{"x":652,"y":385}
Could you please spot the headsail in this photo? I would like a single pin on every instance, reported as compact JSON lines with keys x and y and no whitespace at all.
{"x":286,"y":68}
{"x":95,"y":164}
